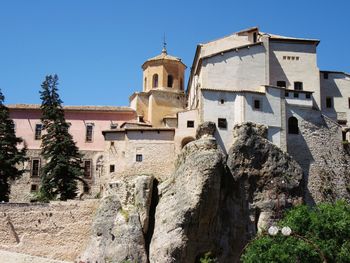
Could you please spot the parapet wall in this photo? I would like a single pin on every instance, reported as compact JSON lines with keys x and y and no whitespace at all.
{"x":58,"y":230}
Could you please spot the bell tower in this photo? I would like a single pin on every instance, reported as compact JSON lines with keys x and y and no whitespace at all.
{"x":163,"y":93}
{"x":163,"y":72}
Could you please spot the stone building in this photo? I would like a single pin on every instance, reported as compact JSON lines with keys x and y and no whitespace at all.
{"x":248,"y":76}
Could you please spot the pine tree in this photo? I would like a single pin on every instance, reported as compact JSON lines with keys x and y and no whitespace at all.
{"x":63,"y":160}
{"x":10,"y":155}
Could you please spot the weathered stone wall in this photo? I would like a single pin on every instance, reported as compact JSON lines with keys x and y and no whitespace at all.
{"x":21,"y":189}
{"x":58,"y":230}
{"x":319,"y":151}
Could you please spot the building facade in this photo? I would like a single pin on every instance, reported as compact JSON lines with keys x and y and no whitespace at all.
{"x":247,"y":76}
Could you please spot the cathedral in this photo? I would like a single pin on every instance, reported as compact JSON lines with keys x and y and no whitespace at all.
{"x":248,"y":76}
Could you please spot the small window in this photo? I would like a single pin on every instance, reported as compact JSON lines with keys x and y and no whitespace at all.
{"x":38,"y":129}
{"x":138,"y":157}
{"x":222,"y":101}
{"x":296,"y":95}
{"x":325,"y":75}
{"x":34,"y":188}
{"x":297,"y":58}
{"x":181,"y":84}
{"x":349,"y":102}
{"x":281,"y":83}
{"x":87,"y":168}
{"x":89,"y":132}
{"x":255,"y":37}
{"x":257,"y":104}
{"x":284,"y":57}
{"x":112,"y":144}
{"x":112,"y":168}
{"x":293,"y":125}
{"x":222,"y":123}
{"x":308,"y":95}
{"x":298,"y":85}
{"x":286,"y":94}
{"x":35,"y":171}
{"x":170,"y":81}
{"x":86,"y":189}
{"x":329,"y":102}
{"x":145,"y":83}
{"x":155,"y":81}
{"x":190,"y":124}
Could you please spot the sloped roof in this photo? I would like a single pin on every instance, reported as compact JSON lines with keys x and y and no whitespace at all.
{"x":163,"y":56}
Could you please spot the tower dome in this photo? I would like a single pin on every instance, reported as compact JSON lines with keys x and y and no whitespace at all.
{"x":163,"y":72}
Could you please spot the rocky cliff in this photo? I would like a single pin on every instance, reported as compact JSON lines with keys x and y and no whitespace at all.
{"x":215,"y":205}
{"x":212,"y":203}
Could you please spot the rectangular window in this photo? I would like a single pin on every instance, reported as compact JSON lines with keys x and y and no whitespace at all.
{"x":138,"y":157}
{"x":349,"y":102}
{"x":298,"y":85}
{"x":325,"y":75}
{"x":281,"y":83}
{"x":296,"y":95}
{"x":89,"y":132}
{"x":87,"y":168}
{"x":329,"y":102}
{"x":38,"y":129}
{"x":111,"y":168}
{"x":34,"y":188}
{"x":190,"y":124}
{"x":308,"y":95}
{"x":222,"y":101}
{"x":86,"y":189}
{"x":257,"y":104}
{"x":286,"y":94}
{"x":222,"y":123}
{"x":35,"y":171}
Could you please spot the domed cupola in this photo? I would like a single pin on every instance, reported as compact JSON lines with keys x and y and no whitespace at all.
{"x":163,"y":72}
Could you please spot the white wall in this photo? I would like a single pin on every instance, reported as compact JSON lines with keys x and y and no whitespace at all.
{"x":336,"y":86}
{"x":235,"y":70}
{"x":304,"y":69}
{"x":213,"y":109}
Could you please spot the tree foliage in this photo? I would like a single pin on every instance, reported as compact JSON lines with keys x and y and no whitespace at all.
{"x":10,"y":155}
{"x":325,"y":227}
{"x":63,"y":160}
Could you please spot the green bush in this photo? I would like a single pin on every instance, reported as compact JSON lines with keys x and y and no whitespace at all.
{"x":325,"y":227}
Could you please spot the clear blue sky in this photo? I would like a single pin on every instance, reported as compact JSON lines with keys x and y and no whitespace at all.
{"x":97,"y":47}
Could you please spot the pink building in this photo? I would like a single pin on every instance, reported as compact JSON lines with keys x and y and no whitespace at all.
{"x":87,"y":124}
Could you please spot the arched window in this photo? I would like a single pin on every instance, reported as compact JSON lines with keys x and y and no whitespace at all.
{"x":145,"y":83}
{"x":293,"y":125}
{"x":170,"y":81}
{"x":155,"y":81}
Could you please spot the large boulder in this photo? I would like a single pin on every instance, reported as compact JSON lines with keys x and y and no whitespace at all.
{"x":271,"y":179}
{"x":121,"y":223}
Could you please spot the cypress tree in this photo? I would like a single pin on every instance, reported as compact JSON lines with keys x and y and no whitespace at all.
{"x":63,"y":160}
{"x":10,"y":155}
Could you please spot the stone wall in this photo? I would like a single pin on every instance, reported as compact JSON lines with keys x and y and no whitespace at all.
{"x":319,"y":151}
{"x":21,"y":189}
{"x":58,"y":230}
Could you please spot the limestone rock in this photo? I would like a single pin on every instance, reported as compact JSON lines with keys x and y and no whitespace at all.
{"x":120,"y":223}
{"x":188,"y":206}
{"x":206,"y":207}
{"x":205,"y":129}
{"x":271,"y":179}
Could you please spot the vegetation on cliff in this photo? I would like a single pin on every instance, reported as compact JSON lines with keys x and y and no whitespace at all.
{"x":318,"y":233}
{"x":63,"y":160}
{"x":10,"y":155}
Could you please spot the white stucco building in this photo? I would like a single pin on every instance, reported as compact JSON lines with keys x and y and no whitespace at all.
{"x":262,"y":78}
